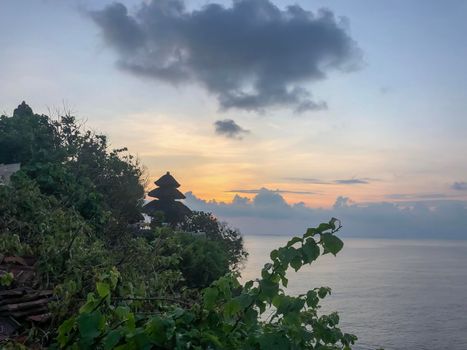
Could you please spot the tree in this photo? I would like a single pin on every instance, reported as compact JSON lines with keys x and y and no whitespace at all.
{"x":202,"y":261}
{"x":215,"y":230}
{"x":75,"y":166}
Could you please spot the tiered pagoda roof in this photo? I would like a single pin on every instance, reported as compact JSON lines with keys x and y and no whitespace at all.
{"x":167,"y":193}
{"x":167,"y":180}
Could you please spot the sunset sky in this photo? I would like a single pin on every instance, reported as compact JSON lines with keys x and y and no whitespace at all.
{"x":364,"y":100}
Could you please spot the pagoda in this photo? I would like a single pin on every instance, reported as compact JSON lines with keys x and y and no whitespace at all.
{"x":167,"y":195}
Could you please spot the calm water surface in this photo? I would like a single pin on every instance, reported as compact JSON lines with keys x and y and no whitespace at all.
{"x":395,"y":294}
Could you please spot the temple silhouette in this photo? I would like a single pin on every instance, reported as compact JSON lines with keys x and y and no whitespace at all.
{"x":167,"y":201}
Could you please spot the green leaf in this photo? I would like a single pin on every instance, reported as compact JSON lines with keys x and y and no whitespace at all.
{"x":213,"y":339}
{"x":333,"y":222}
{"x":289,"y":254}
{"x":114,"y":276}
{"x":278,"y":300}
{"x":296,"y":263}
{"x":223,"y":284}
{"x":122,"y":312}
{"x":331,"y":243}
{"x":274,"y":254}
{"x":312,"y":299}
{"x":297,"y":304}
{"x":89,"y":305}
{"x":111,"y":339}
{"x":268,"y":288}
{"x":333,"y":319}
{"x":310,"y":232}
{"x":284,"y":255}
{"x":324,"y":227}
{"x":251,"y":316}
{"x":293,"y":241}
{"x":103,"y":289}
{"x":231,"y":308}
{"x":323,"y":291}
{"x":276,"y":341}
{"x":261,"y":306}
{"x":244,"y":300}
{"x":142,"y":341}
{"x":210,"y":297}
{"x":310,"y":251}
{"x":248,"y":285}
{"x":64,"y":329}
{"x":89,"y":324}
{"x":265,"y":273}
{"x":157,"y":330}
{"x":131,"y":322}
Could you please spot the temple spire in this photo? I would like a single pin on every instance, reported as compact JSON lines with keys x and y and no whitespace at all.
{"x":167,"y":195}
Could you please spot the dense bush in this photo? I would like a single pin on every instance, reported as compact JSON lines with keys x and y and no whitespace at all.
{"x":230,"y":238}
{"x":74,"y":165}
{"x":230,"y":316}
{"x":70,"y":255}
{"x":202,"y":260}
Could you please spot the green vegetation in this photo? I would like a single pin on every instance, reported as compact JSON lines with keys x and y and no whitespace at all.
{"x":228,"y":316}
{"x":229,"y":238}
{"x":73,"y":206}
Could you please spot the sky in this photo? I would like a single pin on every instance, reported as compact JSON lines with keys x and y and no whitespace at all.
{"x":311,"y":109}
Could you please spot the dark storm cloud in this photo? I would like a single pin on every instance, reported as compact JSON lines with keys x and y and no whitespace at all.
{"x":251,"y":55}
{"x":459,"y":186}
{"x":229,"y":128}
{"x":269,"y":213}
{"x":127,"y":35}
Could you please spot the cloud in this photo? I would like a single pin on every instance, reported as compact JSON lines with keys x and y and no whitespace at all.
{"x":266,"y":204}
{"x":252,"y":55}
{"x":229,"y":128}
{"x":269,"y":213}
{"x":415,"y":196}
{"x":307,"y":180}
{"x":314,"y":181}
{"x":459,"y":186}
{"x":351,"y":181}
{"x":256,"y":191}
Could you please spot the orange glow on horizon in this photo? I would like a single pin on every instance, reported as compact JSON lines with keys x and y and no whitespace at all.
{"x":211,"y":166}
{"x":220,"y":189}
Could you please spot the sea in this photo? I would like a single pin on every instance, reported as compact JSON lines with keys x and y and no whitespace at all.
{"x":392,"y":294}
